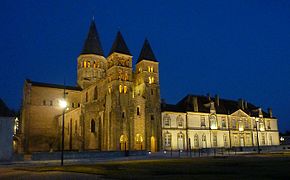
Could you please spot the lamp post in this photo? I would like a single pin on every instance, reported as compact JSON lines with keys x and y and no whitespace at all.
{"x":257,"y":120}
{"x":63,"y":105}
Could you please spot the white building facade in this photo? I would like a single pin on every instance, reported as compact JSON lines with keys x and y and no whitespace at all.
{"x":205,"y":122}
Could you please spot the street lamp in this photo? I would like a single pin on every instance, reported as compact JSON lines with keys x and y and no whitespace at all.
{"x":257,"y":120}
{"x":63,"y":105}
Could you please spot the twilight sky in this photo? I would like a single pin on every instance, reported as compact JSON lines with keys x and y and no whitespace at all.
{"x":237,"y":49}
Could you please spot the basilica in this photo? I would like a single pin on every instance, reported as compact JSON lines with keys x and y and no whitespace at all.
{"x":116,"y":106}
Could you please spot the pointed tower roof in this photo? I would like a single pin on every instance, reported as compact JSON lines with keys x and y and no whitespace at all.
{"x":92,"y":44}
{"x":119,"y":45}
{"x":146,"y":52}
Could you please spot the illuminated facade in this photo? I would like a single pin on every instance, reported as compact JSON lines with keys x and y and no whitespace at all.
{"x":214,"y":123}
{"x":114,"y":107}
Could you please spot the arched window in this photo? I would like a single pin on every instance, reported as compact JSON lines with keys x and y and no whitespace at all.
{"x":96,"y":93}
{"x":138,"y":111}
{"x":166,"y":120}
{"x":85,"y":64}
{"x":196,"y":141}
{"x":93,"y":126}
{"x":179,"y":121}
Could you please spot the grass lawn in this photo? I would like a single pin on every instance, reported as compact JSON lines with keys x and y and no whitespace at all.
{"x":266,"y":166}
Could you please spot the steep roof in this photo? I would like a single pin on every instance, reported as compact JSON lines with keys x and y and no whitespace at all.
{"x":225,"y":106}
{"x":58,"y":86}
{"x":146,"y":52}
{"x":92,"y":44}
{"x":120,"y":45}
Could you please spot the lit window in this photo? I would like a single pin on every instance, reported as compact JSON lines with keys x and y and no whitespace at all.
{"x":149,"y":68}
{"x":126,"y":76}
{"x":89,"y":64}
{"x":167,"y":139}
{"x":179,"y":120}
{"x":125,"y":89}
{"x":85,"y":64}
{"x":151,"y":80}
{"x":95,"y":65}
{"x":140,"y":69}
{"x":120,"y":88}
{"x":139,"y":139}
{"x":110,"y":90}
{"x":166,"y":120}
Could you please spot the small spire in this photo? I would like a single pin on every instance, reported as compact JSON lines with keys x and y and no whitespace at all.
{"x":92,"y":44}
{"x":146,"y":52}
{"x":120,"y":45}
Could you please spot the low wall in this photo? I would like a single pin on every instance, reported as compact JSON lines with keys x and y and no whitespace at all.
{"x":84,"y":155}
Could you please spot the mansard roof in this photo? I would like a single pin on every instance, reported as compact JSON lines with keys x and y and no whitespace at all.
{"x":146,"y":52}
{"x":225,"y":106}
{"x":49,"y":85}
{"x":120,"y":45}
{"x":93,"y":44}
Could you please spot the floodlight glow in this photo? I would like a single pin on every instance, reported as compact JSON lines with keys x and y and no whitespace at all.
{"x":63,"y":104}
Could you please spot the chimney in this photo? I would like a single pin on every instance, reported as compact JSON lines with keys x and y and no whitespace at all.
{"x":212,"y":108}
{"x":217,"y":100}
{"x":208,"y":96}
{"x":246,"y":105}
{"x":195,"y":104}
{"x":270,"y":112}
{"x":241,"y":104}
{"x":260,"y":113}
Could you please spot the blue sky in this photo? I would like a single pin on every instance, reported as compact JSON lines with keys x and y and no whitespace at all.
{"x":237,"y":49}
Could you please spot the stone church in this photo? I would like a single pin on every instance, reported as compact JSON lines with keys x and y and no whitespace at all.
{"x":117,"y":107}
{"x":113,"y":107}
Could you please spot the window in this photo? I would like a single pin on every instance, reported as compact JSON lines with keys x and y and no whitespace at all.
{"x":139,"y":139}
{"x":247,"y":124}
{"x":151,"y":80}
{"x":180,"y":141}
{"x":202,"y":121}
{"x":167,"y":140}
{"x":225,"y":140}
{"x":179,"y":120}
{"x":236,"y":142}
{"x":76,"y":127}
{"x":109,"y":90}
{"x":72,"y":105}
{"x":87,"y":96}
{"x":93,"y":126}
{"x":152,"y":92}
{"x":248,"y":140}
{"x":214,"y":140}
{"x":125,"y":89}
{"x":234,"y":124}
{"x":166,"y":120}
{"x":150,"y":68}
{"x":140,"y":69}
{"x":96,"y":93}
{"x":79,"y":105}
{"x":263,"y":142}
{"x":120,"y":88}
{"x":44,"y":102}
{"x":152,"y":117}
{"x":138,"y":111}
{"x":89,"y":64}
{"x":95,"y":65}
{"x":123,"y":114}
{"x":213,"y":122}
{"x":204,"y":145}
{"x":196,"y":141}
{"x":126,"y":76}
{"x":85,"y":64}
{"x":224,"y":122}
{"x":50,"y":103}
{"x":269,"y":125}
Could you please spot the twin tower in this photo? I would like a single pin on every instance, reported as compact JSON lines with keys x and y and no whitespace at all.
{"x":120,"y":106}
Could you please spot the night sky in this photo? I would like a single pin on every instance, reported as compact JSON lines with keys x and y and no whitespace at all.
{"x":234,"y":48}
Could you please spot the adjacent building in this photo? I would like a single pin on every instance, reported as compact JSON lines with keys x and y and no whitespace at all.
{"x":210,"y":122}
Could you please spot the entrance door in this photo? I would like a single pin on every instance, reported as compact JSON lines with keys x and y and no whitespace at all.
{"x":180,"y":141}
{"x":153,"y":144}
